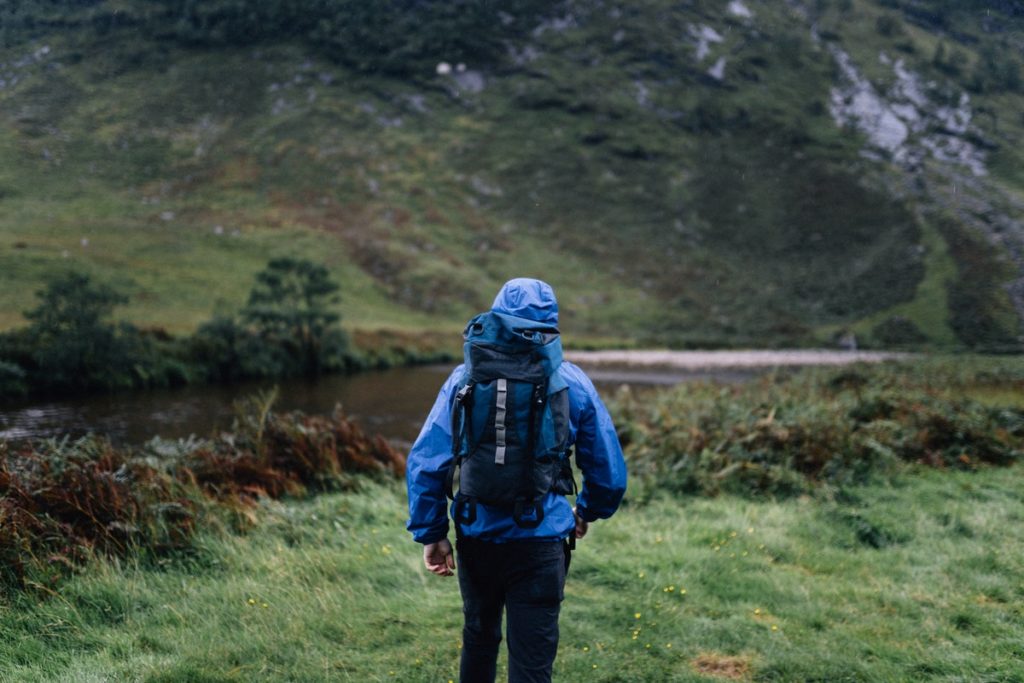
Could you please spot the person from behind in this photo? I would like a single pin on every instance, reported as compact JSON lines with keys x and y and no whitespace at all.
{"x":497,"y":443}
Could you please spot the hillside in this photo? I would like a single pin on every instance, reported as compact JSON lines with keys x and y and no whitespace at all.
{"x":701,"y":173}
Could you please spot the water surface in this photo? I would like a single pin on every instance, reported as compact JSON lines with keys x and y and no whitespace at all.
{"x":390,"y":402}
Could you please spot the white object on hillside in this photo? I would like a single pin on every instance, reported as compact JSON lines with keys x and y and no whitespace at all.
{"x":717,"y":71}
{"x":738,"y":9}
{"x":705,"y":36}
{"x":904,"y":121}
{"x":469,"y":81}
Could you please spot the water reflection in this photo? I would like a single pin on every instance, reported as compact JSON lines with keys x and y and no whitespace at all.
{"x":391,"y":402}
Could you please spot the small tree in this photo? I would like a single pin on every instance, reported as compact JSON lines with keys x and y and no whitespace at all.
{"x":72,"y":343}
{"x":290,"y":307}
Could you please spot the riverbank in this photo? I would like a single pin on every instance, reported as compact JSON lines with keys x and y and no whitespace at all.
{"x":742,"y":358}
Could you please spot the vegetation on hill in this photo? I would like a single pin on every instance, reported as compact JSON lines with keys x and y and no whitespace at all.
{"x":395,"y":37}
{"x":675,"y":171}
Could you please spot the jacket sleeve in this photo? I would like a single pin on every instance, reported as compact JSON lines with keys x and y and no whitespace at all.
{"x":598,"y":452}
{"x":427,"y":466}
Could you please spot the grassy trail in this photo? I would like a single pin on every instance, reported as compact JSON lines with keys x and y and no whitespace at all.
{"x":921,"y":580}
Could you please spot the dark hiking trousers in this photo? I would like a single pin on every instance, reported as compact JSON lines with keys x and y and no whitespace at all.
{"x":526,"y":579}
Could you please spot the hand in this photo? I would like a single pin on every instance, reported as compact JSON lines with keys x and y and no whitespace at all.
{"x":438,"y":557}
{"x":581,"y":525}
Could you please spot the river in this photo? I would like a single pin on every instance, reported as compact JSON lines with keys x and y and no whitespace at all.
{"x":390,"y":402}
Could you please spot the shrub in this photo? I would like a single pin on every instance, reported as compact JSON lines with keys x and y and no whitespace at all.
{"x":62,"y":501}
{"x":287,"y":328}
{"x":289,"y":309}
{"x":71,"y":342}
{"x":12,"y":381}
{"x":785,"y":435}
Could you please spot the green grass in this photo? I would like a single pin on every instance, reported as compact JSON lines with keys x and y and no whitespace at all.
{"x":918,"y":580}
{"x":929,"y":307}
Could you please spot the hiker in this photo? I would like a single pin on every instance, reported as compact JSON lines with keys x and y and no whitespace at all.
{"x":498,"y":442}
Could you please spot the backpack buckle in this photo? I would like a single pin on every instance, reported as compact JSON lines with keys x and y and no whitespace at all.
{"x":464,"y":393}
{"x":519,"y":514}
{"x":465,"y":509}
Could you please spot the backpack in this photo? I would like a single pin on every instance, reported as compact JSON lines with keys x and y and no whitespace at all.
{"x":510,"y":420}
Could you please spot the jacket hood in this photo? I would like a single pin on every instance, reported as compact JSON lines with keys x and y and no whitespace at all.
{"x":528,"y":298}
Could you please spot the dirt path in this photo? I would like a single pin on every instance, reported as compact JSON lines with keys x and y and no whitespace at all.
{"x":702,"y":360}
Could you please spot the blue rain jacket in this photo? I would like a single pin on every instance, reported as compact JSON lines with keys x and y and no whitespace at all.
{"x":598,"y":453}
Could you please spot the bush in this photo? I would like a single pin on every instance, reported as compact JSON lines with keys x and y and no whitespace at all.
{"x":71,"y":343}
{"x":62,"y":501}
{"x":72,"y":346}
{"x":781,"y":436}
{"x":12,"y":381}
{"x":287,"y":328}
{"x":289,"y":312}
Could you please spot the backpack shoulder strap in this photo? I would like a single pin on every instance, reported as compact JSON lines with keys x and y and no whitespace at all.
{"x":460,"y":418}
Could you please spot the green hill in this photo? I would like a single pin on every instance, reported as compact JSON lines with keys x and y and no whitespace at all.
{"x":701,"y":173}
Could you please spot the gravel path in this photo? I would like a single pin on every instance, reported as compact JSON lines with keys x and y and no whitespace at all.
{"x":699,"y":360}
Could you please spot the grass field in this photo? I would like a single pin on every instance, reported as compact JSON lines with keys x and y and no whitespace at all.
{"x":920,"y":579}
